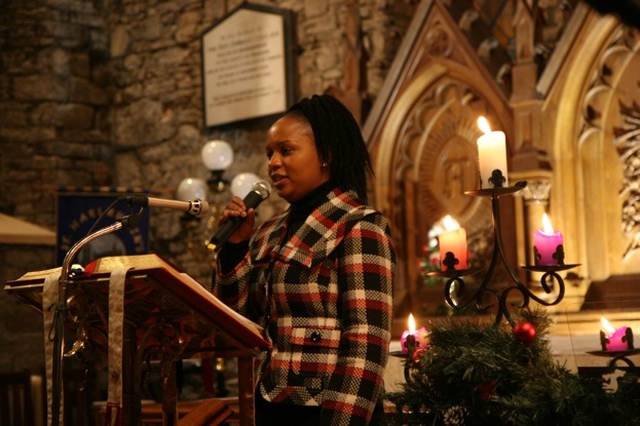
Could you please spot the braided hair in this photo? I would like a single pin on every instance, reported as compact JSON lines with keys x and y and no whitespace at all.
{"x":339,"y":141}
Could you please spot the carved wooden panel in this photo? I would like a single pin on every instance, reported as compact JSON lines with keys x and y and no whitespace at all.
{"x":609,"y":152}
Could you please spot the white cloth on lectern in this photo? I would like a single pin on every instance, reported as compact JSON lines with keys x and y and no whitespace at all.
{"x":116,"y":330}
{"x":50,"y":292}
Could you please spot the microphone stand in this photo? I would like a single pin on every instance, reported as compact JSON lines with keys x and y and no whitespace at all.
{"x":60,"y":316}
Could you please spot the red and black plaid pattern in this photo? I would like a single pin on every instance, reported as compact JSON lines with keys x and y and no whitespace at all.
{"x":330,"y":287}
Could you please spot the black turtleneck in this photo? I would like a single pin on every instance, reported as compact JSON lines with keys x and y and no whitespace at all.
{"x":231,"y":254}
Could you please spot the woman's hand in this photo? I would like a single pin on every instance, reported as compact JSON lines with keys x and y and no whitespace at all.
{"x":237,"y":208}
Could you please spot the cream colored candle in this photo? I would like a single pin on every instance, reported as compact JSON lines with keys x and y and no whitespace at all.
{"x":492,"y":154}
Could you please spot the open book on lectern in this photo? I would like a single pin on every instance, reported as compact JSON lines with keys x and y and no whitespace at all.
{"x":155,"y":292}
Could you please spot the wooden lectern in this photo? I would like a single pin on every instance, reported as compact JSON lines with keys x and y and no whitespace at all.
{"x":163,"y":315}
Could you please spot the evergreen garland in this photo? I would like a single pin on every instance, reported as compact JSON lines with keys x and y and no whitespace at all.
{"x":475,"y":374}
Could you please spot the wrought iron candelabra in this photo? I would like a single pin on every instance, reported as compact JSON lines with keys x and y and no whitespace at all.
{"x":455,"y":284}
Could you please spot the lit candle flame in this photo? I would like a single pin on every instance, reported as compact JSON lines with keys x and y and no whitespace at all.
{"x":484,"y":125}
{"x":608,"y":328}
{"x":450,"y":224}
{"x":412,"y":324}
{"x":546,"y":225}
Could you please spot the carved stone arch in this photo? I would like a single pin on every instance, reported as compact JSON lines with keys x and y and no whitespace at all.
{"x":421,"y":133}
{"x":425,"y":159}
{"x":596,"y":153}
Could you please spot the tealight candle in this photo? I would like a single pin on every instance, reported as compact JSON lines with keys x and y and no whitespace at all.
{"x":547,"y":244}
{"x":421,"y":336}
{"x":615,"y":339}
{"x":492,"y":155}
{"x":453,"y":241}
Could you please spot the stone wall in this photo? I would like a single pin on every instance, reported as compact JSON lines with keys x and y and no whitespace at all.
{"x":54,"y":130}
{"x":157,"y":108}
{"x":109,"y":93}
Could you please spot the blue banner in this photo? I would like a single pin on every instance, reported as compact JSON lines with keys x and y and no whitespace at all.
{"x":77,"y":215}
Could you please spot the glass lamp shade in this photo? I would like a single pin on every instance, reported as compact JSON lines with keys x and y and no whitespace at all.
{"x":192,"y":188}
{"x":217,"y":155}
{"x":241,"y":184}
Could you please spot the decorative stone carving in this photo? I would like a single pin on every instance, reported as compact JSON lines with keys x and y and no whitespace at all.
{"x":438,"y":41}
{"x":468,"y":18}
{"x":627,"y":142}
{"x":537,"y":191}
{"x":610,"y":108}
{"x":441,"y":154}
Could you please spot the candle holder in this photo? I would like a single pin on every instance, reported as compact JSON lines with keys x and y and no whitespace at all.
{"x":450,"y":261}
{"x":455,"y":285}
{"x":412,"y":346}
{"x":624,"y":342}
{"x":558,"y":255}
{"x":617,"y":356}
{"x":497,"y":179}
{"x":627,"y":382}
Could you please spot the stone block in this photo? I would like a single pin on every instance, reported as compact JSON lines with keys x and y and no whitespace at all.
{"x":40,"y":87}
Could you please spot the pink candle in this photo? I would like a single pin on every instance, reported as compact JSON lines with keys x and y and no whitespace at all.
{"x":616,"y":339}
{"x":454,"y":242}
{"x":420,"y":335}
{"x":545,"y":244}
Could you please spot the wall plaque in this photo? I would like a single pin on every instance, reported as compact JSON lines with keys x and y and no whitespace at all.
{"x":247,"y":65}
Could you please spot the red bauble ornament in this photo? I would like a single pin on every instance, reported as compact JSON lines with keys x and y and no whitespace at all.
{"x":417,"y":355}
{"x":487,"y":390}
{"x":525,"y":332}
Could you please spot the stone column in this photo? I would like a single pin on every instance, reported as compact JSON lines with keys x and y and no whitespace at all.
{"x":529,"y":161}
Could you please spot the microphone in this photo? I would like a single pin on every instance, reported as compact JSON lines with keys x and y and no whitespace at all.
{"x":259,"y":192}
{"x":196,"y":207}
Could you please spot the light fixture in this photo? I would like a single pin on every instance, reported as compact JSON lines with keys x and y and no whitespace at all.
{"x":241,"y":184}
{"x":217,"y":156}
{"x":189,"y":189}
{"x":192,"y":188}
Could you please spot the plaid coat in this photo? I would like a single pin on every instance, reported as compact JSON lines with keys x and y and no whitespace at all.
{"x":326,"y":295}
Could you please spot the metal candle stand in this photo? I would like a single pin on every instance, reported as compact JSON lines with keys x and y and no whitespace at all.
{"x":411,"y":346}
{"x":616,"y":356}
{"x":628,"y":339}
{"x":628,"y":381}
{"x":455,"y":284}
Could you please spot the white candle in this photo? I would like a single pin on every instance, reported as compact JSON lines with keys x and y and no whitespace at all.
{"x":492,"y":154}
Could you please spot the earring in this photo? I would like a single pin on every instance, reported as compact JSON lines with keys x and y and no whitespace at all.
{"x":324,"y":164}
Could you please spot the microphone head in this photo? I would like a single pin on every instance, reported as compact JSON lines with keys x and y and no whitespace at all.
{"x":262,"y":188}
{"x":204,"y":206}
{"x":195,"y":207}
{"x":259,"y":192}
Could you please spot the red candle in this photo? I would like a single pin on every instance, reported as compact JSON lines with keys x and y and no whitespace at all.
{"x":420,"y":335}
{"x":546,"y":242}
{"x":453,"y":241}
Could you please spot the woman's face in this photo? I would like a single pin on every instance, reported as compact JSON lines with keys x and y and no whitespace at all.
{"x":294,"y":165}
